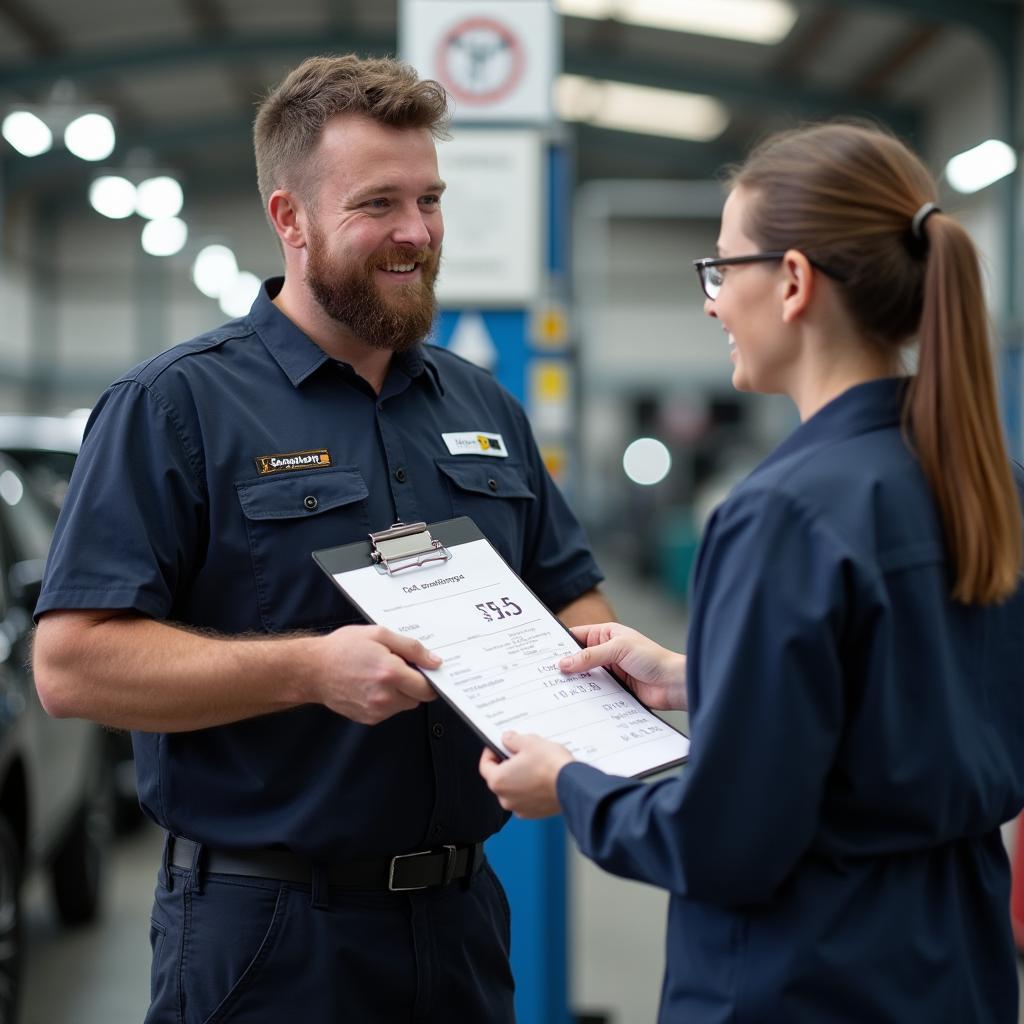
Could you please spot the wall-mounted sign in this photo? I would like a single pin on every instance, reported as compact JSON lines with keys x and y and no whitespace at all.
{"x":492,"y":216}
{"x":496,"y":58}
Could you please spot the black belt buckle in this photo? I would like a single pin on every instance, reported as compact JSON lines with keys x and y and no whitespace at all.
{"x":449,"y":868}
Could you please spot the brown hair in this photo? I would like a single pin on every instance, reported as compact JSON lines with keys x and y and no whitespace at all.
{"x":845,"y":195}
{"x":292,"y":115}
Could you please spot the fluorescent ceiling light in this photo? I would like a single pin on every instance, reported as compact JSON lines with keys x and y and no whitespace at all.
{"x":241,"y":294}
{"x":113,"y":196}
{"x":214,"y":270}
{"x":638,"y":108}
{"x":90,"y":137}
{"x":159,"y":198}
{"x":751,"y":21}
{"x":646,"y":461}
{"x":979,"y":167}
{"x":164,"y":237}
{"x":28,"y":134}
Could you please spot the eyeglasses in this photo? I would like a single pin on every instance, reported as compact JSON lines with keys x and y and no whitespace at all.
{"x":711,"y":277}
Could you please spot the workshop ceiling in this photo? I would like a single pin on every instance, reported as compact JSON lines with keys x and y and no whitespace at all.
{"x":182,"y":76}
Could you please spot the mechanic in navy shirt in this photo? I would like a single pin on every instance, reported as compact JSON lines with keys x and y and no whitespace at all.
{"x":290,"y":751}
{"x":854,"y":670}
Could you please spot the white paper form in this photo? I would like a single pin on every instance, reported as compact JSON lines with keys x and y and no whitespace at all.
{"x":501,"y":648}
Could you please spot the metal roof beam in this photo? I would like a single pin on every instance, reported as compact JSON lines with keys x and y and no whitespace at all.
{"x":211,"y":23}
{"x":997,"y":21}
{"x":812,"y":33}
{"x":43,"y":38}
{"x":897,"y":59}
{"x":239,"y":48}
{"x":597,"y":62}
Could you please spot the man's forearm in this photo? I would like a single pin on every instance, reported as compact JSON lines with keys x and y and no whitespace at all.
{"x":132,"y":672}
{"x":588,"y":608}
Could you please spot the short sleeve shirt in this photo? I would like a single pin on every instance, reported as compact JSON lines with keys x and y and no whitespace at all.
{"x":207,"y":477}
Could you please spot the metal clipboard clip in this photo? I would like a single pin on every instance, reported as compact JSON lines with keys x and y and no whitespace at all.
{"x":405,"y":546}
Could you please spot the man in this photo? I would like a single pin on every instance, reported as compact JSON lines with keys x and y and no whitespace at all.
{"x":294,"y":756}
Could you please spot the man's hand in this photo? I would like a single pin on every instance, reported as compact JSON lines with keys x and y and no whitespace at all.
{"x":525,"y":783}
{"x":363,"y":673}
{"x":656,"y":675}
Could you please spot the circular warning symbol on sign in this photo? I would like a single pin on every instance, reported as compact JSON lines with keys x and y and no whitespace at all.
{"x":480,"y":60}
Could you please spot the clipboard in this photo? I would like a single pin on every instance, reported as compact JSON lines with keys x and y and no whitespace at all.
{"x":445,"y":584}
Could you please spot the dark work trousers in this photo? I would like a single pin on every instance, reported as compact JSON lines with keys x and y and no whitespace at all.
{"x":233,"y":948}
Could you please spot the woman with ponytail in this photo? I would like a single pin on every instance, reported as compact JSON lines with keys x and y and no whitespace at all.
{"x":855,"y":666}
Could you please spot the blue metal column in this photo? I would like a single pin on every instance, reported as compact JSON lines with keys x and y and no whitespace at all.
{"x":530,"y":856}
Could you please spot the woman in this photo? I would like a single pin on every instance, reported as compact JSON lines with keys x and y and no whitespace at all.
{"x":856,"y":650}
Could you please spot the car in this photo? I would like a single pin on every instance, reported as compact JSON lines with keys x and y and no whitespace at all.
{"x":56,"y":779}
{"x":46,"y":448}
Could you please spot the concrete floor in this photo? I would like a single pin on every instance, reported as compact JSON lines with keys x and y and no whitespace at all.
{"x":97,"y":974}
{"x":100,"y":974}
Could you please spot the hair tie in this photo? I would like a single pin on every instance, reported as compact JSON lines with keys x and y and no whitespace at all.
{"x":917,"y":224}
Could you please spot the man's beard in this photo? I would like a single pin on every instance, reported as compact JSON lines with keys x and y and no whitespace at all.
{"x":349,"y":294}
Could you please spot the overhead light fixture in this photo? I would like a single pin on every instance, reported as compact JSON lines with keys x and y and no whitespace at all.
{"x":28,"y":134}
{"x":90,"y":137}
{"x":640,"y":108}
{"x":159,"y":198}
{"x":215,"y":270}
{"x":238,"y":298}
{"x":164,"y":237}
{"x":646,"y":461}
{"x":751,"y":21}
{"x":11,"y":489}
{"x":86,"y":128}
{"x":977,"y":168}
{"x":113,"y":196}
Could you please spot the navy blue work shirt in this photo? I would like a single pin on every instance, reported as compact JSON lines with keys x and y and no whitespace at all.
{"x":832,"y":849}
{"x":207,"y":477}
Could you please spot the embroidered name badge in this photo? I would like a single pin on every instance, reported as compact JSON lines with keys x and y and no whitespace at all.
{"x":475,"y":442}
{"x":315,"y":458}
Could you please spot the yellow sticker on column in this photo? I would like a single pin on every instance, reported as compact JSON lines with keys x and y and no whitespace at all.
{"x":555,"y":458}
{"x":549,"y":326}
{"x":550,"y":381}
{"x":550,"y":397}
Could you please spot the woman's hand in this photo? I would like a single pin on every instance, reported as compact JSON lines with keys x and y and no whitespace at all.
{"x":656,"y":675}
{"x":525,"y":783}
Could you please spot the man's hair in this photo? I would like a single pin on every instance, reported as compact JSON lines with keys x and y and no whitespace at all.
{"x":292,"y":116}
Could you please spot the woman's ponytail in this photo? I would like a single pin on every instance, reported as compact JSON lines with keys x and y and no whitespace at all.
{"x":954,"y":424}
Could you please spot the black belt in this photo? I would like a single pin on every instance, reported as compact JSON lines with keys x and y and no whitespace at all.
{"x":404,"y":872}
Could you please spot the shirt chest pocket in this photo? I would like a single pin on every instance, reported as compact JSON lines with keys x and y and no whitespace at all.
{"x":496,"y":495}
{"x":286,"y":519}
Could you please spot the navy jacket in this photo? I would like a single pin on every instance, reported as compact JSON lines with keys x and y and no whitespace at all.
{"x":832,"y":848}
{"x":207,"y":477}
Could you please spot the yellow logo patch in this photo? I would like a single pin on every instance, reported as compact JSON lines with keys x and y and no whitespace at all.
{"x":314,"y":458}
{"x":485,"y":442}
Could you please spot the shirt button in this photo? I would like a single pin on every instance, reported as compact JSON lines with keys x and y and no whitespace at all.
{"x":437,"y":830}
{"x":438,"y":730}
{"x":400,"y":475}
{"x":493,"y":484}
{"x":310,"y":502}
